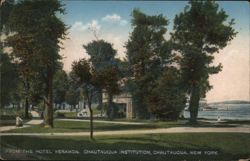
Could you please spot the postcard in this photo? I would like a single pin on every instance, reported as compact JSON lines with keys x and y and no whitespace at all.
{"x":125,"y":80}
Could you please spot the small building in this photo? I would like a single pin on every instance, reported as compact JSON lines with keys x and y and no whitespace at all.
{"x":124,"y":99}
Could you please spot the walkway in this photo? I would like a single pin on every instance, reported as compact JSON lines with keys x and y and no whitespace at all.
{"x":35,"y":114}
{"x":108,"y":122}
{"x":133,"y":132}
{"x":27,"y":124}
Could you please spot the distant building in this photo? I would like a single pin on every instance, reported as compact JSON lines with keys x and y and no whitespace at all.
{"x":126,"y":100}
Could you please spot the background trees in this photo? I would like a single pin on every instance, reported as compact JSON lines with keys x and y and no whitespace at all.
{"x":167,"y":99}
{"x":61,"y":86}
{"x":200,"y":31}
{"x":9,"y":79}
{"x":35,"y":44}
{"x":72,"y":96}
{"x":109,"y":80}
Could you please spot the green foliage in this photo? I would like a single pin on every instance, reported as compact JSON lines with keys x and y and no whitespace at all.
{"x":72,"y":96}
{"x":200,"y":31}
{"x":101,"y":54}
{"x":61,"y":85}
{"x":9,"y":79}
{"x":167,"y":99}
{"x":10,"y":114}
{"x":5,"y":10}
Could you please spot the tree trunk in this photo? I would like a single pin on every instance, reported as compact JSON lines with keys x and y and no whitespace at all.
{"x":26,"y":114}
{"x":91,"y":120}
{"x":18,"y":106}
{"x":49,"y":103}
{"x":101,"y":103}
{"x":194,"y":103}
{"x":111,"y":107}
{"x":140,"y":106}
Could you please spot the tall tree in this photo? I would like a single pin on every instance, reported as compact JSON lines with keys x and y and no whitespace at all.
{"x":38,"y":35}
{"x":26,"y":63}
{"x":200,"y":31}
{"x":102,"y":55}
{"x":61,"y":86}
{"x":147,"y":54}
{"x":9,"y":75}
{"x":84,"y":75}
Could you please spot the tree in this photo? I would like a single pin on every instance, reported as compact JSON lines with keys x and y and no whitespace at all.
{"x":167,"y":99}
{"x":109,"y":78}
{"x":9,"y":79}
{"x":5,"y":10}
{"x":147,"y":54}
{"x":37,"y":88}
{"x":199,"y":32}
{"x":38,"y":35}
{"x":102,"y":55}
{"x":84,"y":75}
{"x":72,"y":96}
{"x":61,"y":86}
{"x":8,"y":69}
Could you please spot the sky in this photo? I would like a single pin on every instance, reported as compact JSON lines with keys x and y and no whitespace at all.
{"x":111,"y":21}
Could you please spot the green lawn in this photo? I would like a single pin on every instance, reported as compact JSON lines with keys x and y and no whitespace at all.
{"x":227,"y":146}
{"x":76,"y":126}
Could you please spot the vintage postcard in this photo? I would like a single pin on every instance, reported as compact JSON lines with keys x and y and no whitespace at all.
{"x":124,"y":80}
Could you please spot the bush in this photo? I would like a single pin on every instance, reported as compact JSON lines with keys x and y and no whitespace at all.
{"x":10,"y":114}
{"x":60,"y":115}
{"x":167,"y":99}
{"x":7,"y":117}
{"x":22,"y":114}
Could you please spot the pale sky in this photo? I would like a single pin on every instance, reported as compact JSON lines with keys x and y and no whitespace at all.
{"x":112,"y":21}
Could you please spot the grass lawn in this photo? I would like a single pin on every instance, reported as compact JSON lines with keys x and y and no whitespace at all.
{"x":222,"y":146}
{"x":67,"y":114}
{"x":77,"y":126}
{"x":11,"y":122}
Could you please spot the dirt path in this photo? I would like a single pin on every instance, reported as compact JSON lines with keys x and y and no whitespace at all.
{"x":108,"y":122}
{"x":6,"y":128}
{"x":133,"y":132}
{"x":27,"y":124}
{"x":35,"y":114}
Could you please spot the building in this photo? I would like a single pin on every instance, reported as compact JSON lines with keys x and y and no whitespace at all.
{"x":123,"y":99}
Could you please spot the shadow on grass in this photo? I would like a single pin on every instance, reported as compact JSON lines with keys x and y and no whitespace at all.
{"x":142,"y":142}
